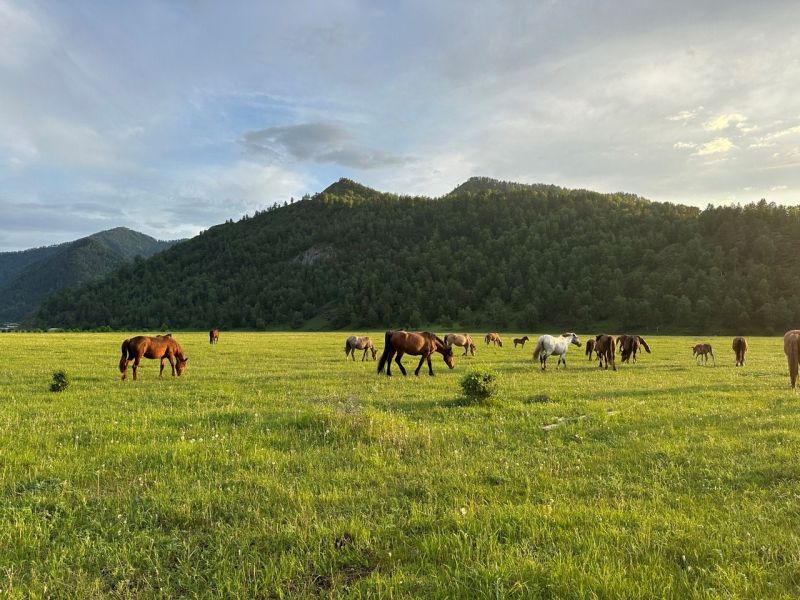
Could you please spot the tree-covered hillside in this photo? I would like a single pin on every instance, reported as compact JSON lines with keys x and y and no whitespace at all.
{"x":488,"y":254}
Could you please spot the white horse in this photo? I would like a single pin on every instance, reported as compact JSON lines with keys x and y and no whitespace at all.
{"x":547,"y":345}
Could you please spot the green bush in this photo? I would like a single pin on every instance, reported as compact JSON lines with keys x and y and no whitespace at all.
{"x":479,"y":385}
{"x":60,"y":382}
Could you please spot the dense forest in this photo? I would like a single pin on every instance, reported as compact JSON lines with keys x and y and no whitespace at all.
{"x":29,"y":276}
{"x":489,"y":254}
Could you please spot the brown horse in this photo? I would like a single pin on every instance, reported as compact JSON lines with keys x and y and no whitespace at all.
{"x":457,"y":339}
{"x":740,"y":349}
{"x":423,"y":344}
{"x":629,"y":345}
{"x":791,"y":347}
{"x":703,"y":351}
{"x":213,"y":336}
{"x":605,"y":346}
{"x":160,"y":347}
{"x":493,"y":338}
{"x":590,"y":343}
{"x":354,"y":343}
{"x":521,"y":341}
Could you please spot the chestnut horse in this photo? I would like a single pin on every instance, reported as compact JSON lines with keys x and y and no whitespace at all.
{"x":213,"y":336}
{"x":521,"y":341}
{"x":159,"y":347}
{"x":493,"y":338}
{"x":605,"y":346}
{"x":590,"y":348}
{"x":791,"y":347}
{"x":740,"y":349}
{"x":457,"y":339}
{"x":629,"y":345}
{"x":354,"y":343}
{"x":423,"y":344}
{"x":703,"y":350}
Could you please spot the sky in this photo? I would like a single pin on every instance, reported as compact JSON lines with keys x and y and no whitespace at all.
{"x":170,"y":117}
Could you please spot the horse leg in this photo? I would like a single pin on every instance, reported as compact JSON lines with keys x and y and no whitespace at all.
{"x":125,"y":369}
{"x":465,"y":350}
{"x":364,"y":356}
{"x":419,"y":366}
{"x":543,"y":361}
{"x":135,"y":367}
{"x":389,"y":363}
{"x":171,"y":363}
{"x":399,"y":364}
{"x":430,"y":367}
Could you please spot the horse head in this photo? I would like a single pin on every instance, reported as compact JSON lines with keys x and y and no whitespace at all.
{"x":573,"y":339}
{"x":180,"y":365}
{"x":449,"y":358}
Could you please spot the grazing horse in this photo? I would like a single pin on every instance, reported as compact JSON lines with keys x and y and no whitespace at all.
{"x":590,"y":348}
{"x":740,"y":349}
{"x":457,"y":339}
{"x":547,"y":345}
{"x":521,"y":341}
{"x":703,"y":350}
{"x":791,"y":347}
{"x":213,"y":336}
{"x":160,"y":347}
{"x":606,"y":348}
{"x":423,"y":344}
{"x":354,"y":343}
{"x":629,"y":345}
{"x":493,"y":338}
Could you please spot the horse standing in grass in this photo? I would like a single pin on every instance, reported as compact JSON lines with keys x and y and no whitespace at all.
{"x":548,"y":345}
{"x":791,"y":347}
{"x":606,"y":348}
{"x":740,"y":349}
{"x":213,"y":336}
{"x":521,"y":341}
{"x":158,"y":347}
{"x":493,"y":338}
{"x":629,"y":345}
{"x":354,"y":343}
{"x":423,"y":344}
{"x":457,"y":339}
{"x":590,"y":348}
{"x":702,"y":351}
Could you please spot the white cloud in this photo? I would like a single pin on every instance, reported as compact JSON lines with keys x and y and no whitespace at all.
{"x":718,"y":145}
{"x":778,"y":188}
{"x":684,"y":145}
{"x":724,"y":121}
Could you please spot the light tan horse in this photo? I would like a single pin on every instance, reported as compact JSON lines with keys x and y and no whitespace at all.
{"x":463,"y":340}
{"x":702,"y":351}
{"x":493,"y":338}
{"x":354,"y":343}
{"x":740,"y":349}
{"x":791,"y":347}
{"x":158,"y":347}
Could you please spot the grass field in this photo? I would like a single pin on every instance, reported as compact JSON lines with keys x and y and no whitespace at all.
{"x":274,"y":468}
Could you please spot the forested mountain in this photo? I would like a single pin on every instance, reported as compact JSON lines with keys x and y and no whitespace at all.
{"x":28,"y":276}
{"x":489,"y":254}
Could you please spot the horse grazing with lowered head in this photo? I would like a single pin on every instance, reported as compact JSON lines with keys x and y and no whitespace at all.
{"x":493,"y":338}
{"x":213,"y":336}
{"x":548,"y":345}
{"x":606,"y":348}
{"x":791,"y":347}
{"x":464,"y":341}
{"x":629,"y":345}
{"x":739,"y":347}
{"x":354,"y":343}
{"x":703,"y":351}
{"x":158,"y":347}
{"x":423,"y":344}
{"x":521,"y":341}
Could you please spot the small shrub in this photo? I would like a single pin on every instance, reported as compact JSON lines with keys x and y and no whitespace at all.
{"x":60,"y":382}
{"x":479,"y":386}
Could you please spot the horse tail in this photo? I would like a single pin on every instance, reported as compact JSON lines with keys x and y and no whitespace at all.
{"x":791,"y":345}
{"x":346,"y":347}
{"x":538,"y":349}
{"x":124,"y":358}
{"x":387,"y":349}
{"x":643,"y":343}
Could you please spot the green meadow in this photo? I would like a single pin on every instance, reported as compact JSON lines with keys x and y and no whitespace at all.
{"x":276,"y":469}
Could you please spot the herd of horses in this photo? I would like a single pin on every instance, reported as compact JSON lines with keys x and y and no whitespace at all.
{"x":424,"y":344}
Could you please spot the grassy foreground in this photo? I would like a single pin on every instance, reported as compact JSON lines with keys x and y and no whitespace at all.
{"x":274,"y":468}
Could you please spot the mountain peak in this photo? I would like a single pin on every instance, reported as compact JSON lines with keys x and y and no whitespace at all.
{"x":347,"y":186}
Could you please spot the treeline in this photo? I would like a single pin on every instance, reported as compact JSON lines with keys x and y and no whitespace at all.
{"x":488,"y":254}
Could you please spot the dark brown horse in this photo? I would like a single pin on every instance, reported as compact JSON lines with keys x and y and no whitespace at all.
{"x":590,"y":348}
{"x":423,"y":344}
{"x":791,"y":347}
{"x":158,"y":347}
{"x":703,"y":351}
{"x":629,"y":345}
{"x":740,"y":349}
{"x":521,"y":341}
{"x":493,"y":338}
{"x":213,"y":336}
{"x":606,"y":348}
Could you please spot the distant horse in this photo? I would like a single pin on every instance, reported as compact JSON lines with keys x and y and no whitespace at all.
{"x":740,"y":349}
{"x":702,"y":351}
{"x":159,"y":347}
{"x":590,"y":348}
{"x":457,"y":339}
{"x":354,"y":343}
{"x":521,"y":341}
{"x":493,"y":338}
{"x":791,"y":347}
{"x":548,"y":345}
{"x":606,"y":348}
{"x":629,"y":345}
{"x":213,"y":336}
{"x":423,"y":344}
